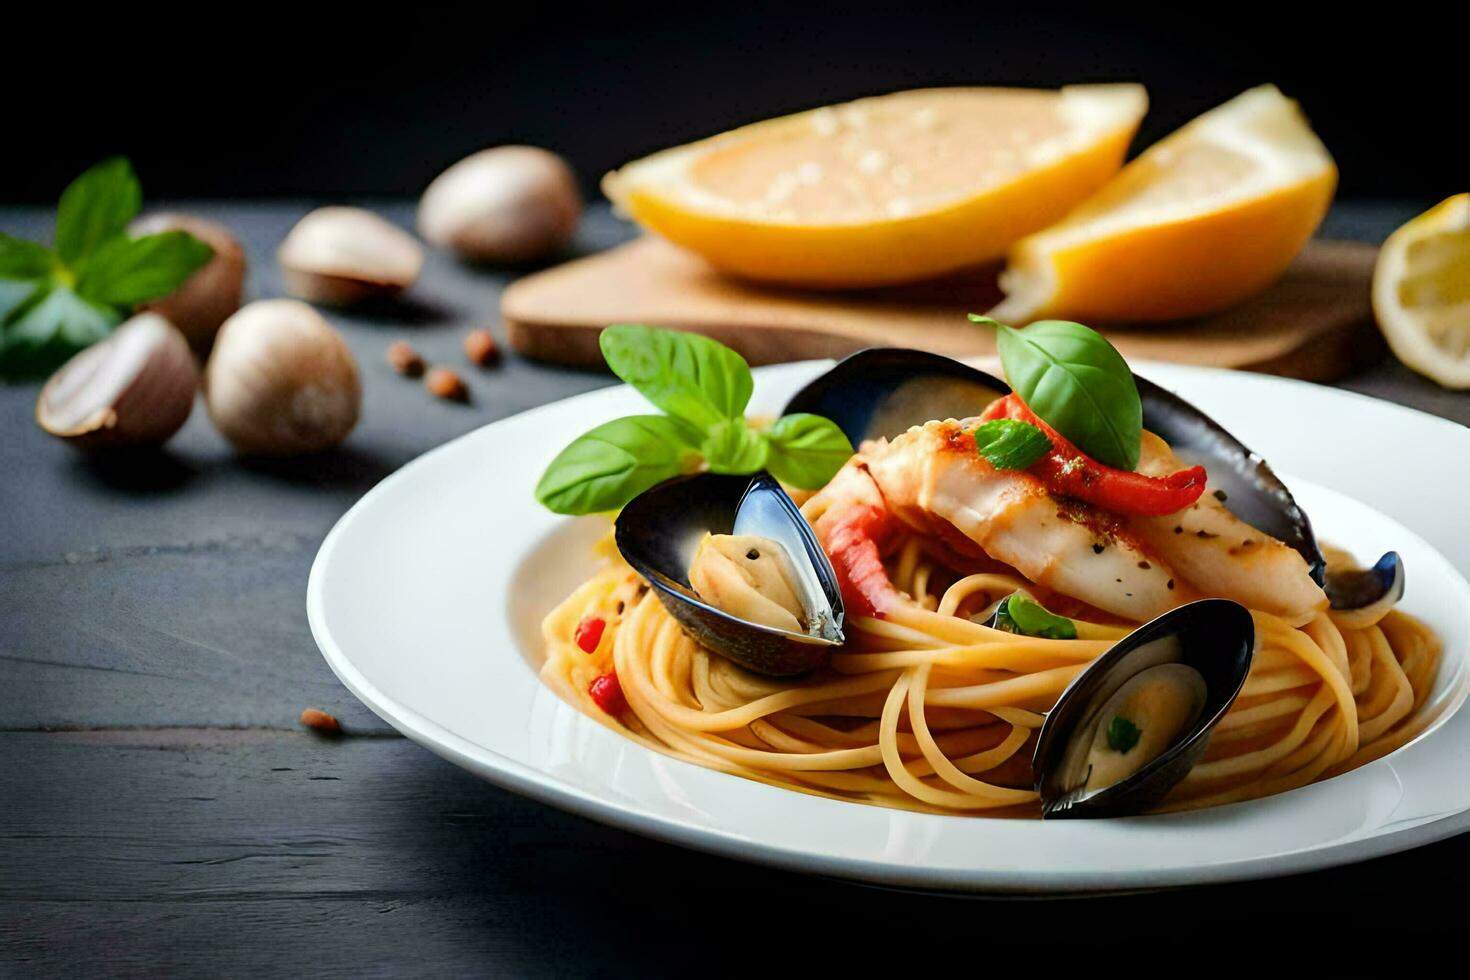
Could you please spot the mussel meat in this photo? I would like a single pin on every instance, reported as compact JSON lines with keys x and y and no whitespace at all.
{"x":783,"y":628}
{"x":882,"y":391}
{"x":1132,"y":725}
{"x":1361,"y":597}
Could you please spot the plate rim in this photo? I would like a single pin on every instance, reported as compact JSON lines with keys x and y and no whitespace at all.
{"x":515,"y":776}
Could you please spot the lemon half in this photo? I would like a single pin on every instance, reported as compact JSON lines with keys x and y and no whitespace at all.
{"x":1203,"y":219}
{"x":1421,"y":292}
{"x":884,"y":190}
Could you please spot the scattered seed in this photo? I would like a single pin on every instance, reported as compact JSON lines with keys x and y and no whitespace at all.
{"x":319,"y":721}
{"x":1205,"y":535}
{"x":1097,"y":549}
{"x":1221,"y":496}
{"x":1178,"y":529}
{"x":1170,"y":585}
{"x":1144,"y":565}
{"x":404,"y":359}
{"x":480,"y":348}
{"x":442,"y":382}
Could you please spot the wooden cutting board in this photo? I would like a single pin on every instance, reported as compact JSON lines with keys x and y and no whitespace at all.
{"x":1315,"y":323}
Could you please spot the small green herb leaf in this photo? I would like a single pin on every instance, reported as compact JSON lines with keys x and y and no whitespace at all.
{"x":732,"y":446}
{"x":686,"y":375}
{"x":806,"y":450}
{"x":613,"y":463}
{"x":48,"y":327}
{"x":95,"y":207}
{"x":1009,"y":444}
{"x":20,"y":259}
{"x":1023,"y":615}
{"x":127,"y":271}
{"x":1076,"y":382}
{"x":1123,"y":735}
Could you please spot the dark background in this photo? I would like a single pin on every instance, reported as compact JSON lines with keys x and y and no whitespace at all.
{"x":375,"y":100}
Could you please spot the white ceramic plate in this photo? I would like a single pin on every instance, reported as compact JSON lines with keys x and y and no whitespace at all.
{"x":426,"y":600}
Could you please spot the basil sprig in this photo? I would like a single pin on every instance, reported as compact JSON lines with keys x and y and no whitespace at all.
{"x":1026,"y":616}
{"x":703,"y":388}
{"x":1076,"y":382}
{"x":1010,"y":444}
{"x":55,"y":301}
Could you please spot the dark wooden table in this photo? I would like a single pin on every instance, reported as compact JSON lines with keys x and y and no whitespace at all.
{"x":161,"y":810}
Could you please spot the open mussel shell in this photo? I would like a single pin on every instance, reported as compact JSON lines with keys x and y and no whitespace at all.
{"x":883,"y":391}
{"x":1213,"y":637}
{"x":1363,"y":596}
{"x":659,"y":532}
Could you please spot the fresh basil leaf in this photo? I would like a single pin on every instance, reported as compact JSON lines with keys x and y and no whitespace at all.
{"x":1010,"y":444}
{"x":13,"y":295}
{"x":1076,"y":382}
{"x":684,"y":374}
{"x":127,"y":271}
{"x":732,"y":446}
{"x":613,"y":463}
{"x":1020,"y":614}
{"x":806,"y":450}
{"x":95,"y":207}
{"x":20,"y":259}
{"x":49,"y":327}
{"x":1123,"y":735}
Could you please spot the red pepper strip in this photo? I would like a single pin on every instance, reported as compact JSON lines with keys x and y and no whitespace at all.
{"x":589,"y":633}
{"x":607,"y":691}
{"x":1069,"y":472}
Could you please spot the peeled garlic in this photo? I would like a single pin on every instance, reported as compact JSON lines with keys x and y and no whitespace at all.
{"x":134,"y":388}
{"x":506,"y":204}
{"x":210,"y":295}
{"x":281,"y":381}
{"x":341,"y":256}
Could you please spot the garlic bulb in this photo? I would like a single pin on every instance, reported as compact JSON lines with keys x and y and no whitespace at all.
{"x":342,"y":256}
{"x":134,"y":388}
{"x":210,"y":295}
{"x":281,"y":381}
{"x":506,"y":204}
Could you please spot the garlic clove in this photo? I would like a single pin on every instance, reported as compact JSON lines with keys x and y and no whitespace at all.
{"x":506,"y":204}
{"x":342,"y":256}
{"x":134,"y":388}
{"x":281,"y":381}
{"x":211,"y":294}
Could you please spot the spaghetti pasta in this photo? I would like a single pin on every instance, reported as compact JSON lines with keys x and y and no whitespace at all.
{"x":927,"y":709}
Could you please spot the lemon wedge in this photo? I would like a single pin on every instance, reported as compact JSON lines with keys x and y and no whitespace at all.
{"x":883,"y":190}
{"x":1421,"y":292}
{"x":1201,"y":220}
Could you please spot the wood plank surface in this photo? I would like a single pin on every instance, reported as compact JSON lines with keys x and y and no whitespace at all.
{"x":1314,"y":323}
{"x":162,"y":814}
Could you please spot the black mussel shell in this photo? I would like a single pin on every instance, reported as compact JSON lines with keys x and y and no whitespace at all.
{"x":884,"y":391}
{"x":660,"y":530}
{"x":1216,"y":638}
{"x":1367,"y":593}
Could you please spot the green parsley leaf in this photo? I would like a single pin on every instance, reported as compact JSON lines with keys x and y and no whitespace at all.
{"x":1010,"y":444}
{"x":95,"y":207}
{"x":127,"y":271}
{"x":1076,"y":382}
{"x":1123,"y":735}
{"x":1024,"y":615}
{"x":806,"y":450}
{"x":686,"y":375}
{"x":48,"y":327}
{"x":613,"y":463}
{"x":20,"y":259}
